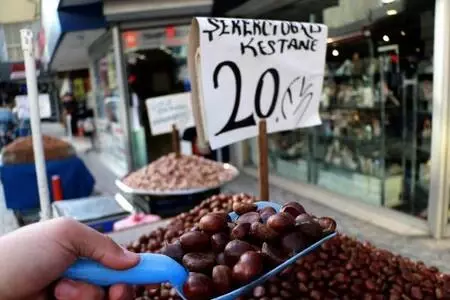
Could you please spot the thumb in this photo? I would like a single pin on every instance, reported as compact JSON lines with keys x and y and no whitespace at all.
{"x":84,"y":241}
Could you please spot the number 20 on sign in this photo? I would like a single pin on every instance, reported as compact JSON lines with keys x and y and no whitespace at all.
{"x":243,"y":71}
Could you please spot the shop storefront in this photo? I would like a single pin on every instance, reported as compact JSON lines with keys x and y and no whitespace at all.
{"x":374,"y":148}
{"x":136,"y":60}
{"x":109,"y":121}
{"x":153,"y":65}
{"x":141,"y":55}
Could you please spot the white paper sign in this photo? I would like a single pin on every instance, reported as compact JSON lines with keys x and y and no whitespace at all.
{"x":255,"y":69}
{"x":23,"y":106}
{"x":186,"y":148}
{"x":166,"y":111}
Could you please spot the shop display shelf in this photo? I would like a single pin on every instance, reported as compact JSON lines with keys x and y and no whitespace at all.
{"x":375,"y":109}
{"x":350,"y":139}
{"x":332,"y":168}
{"x":293,"y":169}
{"x":424,"y":112}
{"x":364,"y":187}
{"x":424,"y":149}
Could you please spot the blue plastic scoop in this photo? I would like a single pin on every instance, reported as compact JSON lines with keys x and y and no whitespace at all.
{"x":157,"y":268}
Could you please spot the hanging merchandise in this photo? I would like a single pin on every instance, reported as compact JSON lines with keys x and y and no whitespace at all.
{"x":79,"y":91}
{"x":111,"y":67}
{"x":66,"y":87}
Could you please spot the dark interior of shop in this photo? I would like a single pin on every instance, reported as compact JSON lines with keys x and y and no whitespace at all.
{"x":152,"y":74}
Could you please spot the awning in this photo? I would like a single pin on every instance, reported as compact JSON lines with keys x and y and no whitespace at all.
{"x":69,"y":28}
{"x":162,"y":12}
{"x":269,"y":8}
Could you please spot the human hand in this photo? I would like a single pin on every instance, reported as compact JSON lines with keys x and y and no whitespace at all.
{"x":34,"y":257}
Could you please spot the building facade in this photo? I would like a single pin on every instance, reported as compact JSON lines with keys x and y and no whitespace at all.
{"x":15,"y":15}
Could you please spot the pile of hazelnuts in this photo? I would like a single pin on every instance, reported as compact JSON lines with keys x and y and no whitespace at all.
{"x":342,"y":268}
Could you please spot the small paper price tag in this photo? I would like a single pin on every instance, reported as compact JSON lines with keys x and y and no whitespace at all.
{"x":243,"y":71}
{"x":166,"y":111}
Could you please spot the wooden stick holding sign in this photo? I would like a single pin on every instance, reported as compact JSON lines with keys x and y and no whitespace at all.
{"x":176,"y":140}
{"x":263,"y":161}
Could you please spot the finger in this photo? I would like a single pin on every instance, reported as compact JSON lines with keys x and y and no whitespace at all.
{"x":120,"y":292}
{"x":75,"y":290}
{"x":86,"y":242}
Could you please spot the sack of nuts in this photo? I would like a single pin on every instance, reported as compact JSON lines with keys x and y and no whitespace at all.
{"x":170,"y":173}
{"x":21,"y":150}
{"x":342,"y":268}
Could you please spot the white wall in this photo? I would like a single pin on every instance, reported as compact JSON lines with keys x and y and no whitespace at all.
{"x":13,"y":11}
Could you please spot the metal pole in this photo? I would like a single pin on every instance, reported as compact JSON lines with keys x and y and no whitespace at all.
{"x":124,"y":103}
{"x":440,"y":171}
{"x":38,"y":149}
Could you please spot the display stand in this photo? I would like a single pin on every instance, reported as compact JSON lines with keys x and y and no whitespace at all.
{"x":355,"y":155}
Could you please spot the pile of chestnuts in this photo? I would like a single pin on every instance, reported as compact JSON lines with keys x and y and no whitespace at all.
{"x":342,"y":268}
{"x":222,"y":255}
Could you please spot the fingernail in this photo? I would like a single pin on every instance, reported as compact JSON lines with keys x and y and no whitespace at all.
{"x":130,"y":255}
{"x":66,"y":290}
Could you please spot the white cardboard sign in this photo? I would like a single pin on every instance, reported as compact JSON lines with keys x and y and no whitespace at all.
{"x":165,"y":111}
{"x":246,"y":70}
{"x":23,"y":106}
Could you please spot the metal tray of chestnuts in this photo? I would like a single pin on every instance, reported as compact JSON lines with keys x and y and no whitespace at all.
{"x":234,"y":173}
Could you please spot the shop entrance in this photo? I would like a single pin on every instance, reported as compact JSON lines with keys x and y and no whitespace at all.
{"x":153,"y":73}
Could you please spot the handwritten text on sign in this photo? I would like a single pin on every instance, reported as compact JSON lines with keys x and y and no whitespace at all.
{"x":169,"y":110}
{"x":258,"y":69}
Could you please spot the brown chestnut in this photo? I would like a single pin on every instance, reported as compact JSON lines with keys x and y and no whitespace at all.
{"x":266,"y":213}
{"x":173,"y":250}
{"x":251,"y":257}
{"x":234,"y":250}
{"x":274,"y":255}
{"x":221,"y":276}
{"x":199,"y":261}
{"x":328,"y":225}
{"x":194,"y":241}
{"x":240,"y":231}
{"x":293,"y":243}
{"x":213,"y":223}
{"x":308,"y":226}
{"x":243,"y":208}
{"x":250,"y":217}
{"x":305,"y":217}
{"x":220,"y":259}
{"x":219,"y":241}
{"x":198,"y":287}
{"x":249,"y":266}
{"x":293,"y":208}
{"x":281,"y":222}
{"x":262,"y":232}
